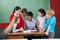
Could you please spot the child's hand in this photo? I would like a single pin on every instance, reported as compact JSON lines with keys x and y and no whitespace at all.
{"x":41,"y":30}
{"x":47,"y":33}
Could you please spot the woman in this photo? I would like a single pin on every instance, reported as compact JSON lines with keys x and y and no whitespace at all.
{"x":19,"y":24}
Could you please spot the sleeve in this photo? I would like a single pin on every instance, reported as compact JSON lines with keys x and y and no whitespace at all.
{"x":36,"y":24}
{"x":25,"y":26}
{"x":22,"y":22}
{"x":46,"y":25}
{"x":14,"y":28}
{"x":53,"y":22}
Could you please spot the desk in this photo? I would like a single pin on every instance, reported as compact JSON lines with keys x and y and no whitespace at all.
{"x":20,"y":35}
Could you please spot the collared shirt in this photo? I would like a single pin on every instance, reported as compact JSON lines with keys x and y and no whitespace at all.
{"x":51,"y":22}
{"x":30,"y":25}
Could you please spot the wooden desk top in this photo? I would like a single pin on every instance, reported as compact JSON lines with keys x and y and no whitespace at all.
{"x":27,"y":33}
{"x":21,"y":35}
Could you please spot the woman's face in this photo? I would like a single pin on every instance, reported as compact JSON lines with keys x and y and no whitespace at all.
{"x":29,"y":18}
{"x":17,"y":11}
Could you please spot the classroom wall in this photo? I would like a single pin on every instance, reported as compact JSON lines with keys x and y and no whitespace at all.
{"x":7,"y":6}
{"x":55,"y":4}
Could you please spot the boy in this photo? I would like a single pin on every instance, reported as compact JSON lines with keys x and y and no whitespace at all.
{"x":30,"y":23}
{"x":24,"y":13}
{"x":50,"y":24}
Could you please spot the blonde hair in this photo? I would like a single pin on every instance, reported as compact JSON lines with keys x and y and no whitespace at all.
{"x":50,"y":12}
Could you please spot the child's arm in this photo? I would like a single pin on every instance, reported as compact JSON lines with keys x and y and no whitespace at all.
{"x":39,"y":29}
{"x":9,"y":27}
{"x":48,"y":28}
{"x":53,"y":22}
{"x":47,"y":32}
{"x":38,"y":25}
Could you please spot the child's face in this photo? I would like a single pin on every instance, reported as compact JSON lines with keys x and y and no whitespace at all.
{"x":40,"y":14}
{"x":29,"y":18}
{"x":48,"y":16}
{"x":24,"y":14}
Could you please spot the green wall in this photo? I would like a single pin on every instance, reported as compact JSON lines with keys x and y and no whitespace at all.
{"x":7,"y":6}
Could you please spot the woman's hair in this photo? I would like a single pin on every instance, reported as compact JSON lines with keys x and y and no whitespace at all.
{"x":30,"y":14}
{"x":42,"y":11}
{"x":24,"y":10}
{"x":50,"y":12}
{"x":16,"y":8}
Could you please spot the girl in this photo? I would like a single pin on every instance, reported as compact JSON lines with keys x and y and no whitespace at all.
{"x":50,"y":24}
{"x":41,"y":19}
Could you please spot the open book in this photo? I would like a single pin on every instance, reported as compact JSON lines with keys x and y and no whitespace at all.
{"x":28,"y":31}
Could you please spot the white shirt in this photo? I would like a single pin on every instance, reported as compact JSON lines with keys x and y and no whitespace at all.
{"x":42,"y":21}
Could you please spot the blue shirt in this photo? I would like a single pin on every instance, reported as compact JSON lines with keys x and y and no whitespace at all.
{"x":52,"y":22}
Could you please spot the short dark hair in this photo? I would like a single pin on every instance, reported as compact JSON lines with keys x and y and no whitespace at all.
{"x":42,"y":11}
{"x":24,"y":10}
{"x":30,"y":14}
{"x":16,"y":8}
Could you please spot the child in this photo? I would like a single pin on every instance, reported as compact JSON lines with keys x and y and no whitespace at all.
{"x":30,"y":23}
{"x":50,"y":24}
{"x":24,"y":13}
{"x":41,"y":19}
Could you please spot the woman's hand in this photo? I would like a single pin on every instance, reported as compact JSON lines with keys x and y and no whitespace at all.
{"x":16,"y":15}
{"x":21,"y":29}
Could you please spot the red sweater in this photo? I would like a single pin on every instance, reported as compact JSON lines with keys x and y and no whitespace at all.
{"x":21,"y":23}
